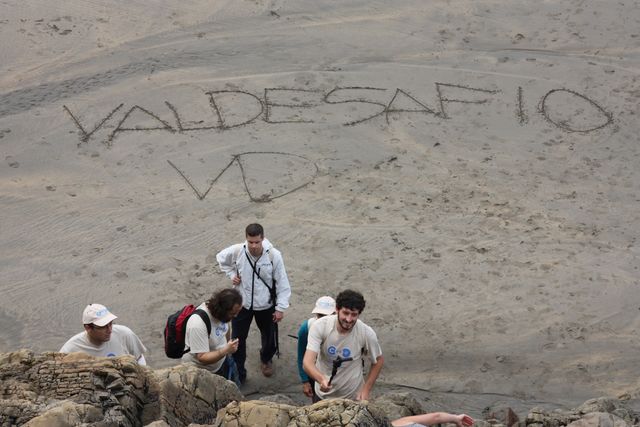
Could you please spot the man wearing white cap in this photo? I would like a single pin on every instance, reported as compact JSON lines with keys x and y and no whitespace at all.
{"x":324,"y":307}
{"x":102,"y":338}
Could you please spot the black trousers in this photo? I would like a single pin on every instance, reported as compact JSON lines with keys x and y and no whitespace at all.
{"x":240,"y":329}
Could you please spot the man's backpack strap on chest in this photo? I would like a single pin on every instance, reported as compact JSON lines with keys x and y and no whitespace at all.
{"x":238,"y":252}
{"x":270,"y":254}
{"x":205,"y":318}
{"x":253,"y":267}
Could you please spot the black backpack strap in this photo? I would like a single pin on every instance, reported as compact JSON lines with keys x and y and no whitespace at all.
{"x":272,"y":289}
{"x":205,"y":318}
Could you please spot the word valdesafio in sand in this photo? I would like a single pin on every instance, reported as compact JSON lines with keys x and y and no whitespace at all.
{"x":563,"y":108}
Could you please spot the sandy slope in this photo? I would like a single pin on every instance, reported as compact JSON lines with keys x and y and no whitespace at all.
{"x":472,"y":167}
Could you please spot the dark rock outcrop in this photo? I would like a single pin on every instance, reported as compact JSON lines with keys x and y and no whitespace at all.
{"x":54,"y":389}
{"x":189,"y":394}
{"x":54,"y":386}
{"x":396,"y":405}
{"x":58,"y":390}
{"x":335,"y":412}
{"x":602,"y":411}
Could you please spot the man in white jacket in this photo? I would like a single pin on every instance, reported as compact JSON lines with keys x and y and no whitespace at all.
{"x":257,"y":269}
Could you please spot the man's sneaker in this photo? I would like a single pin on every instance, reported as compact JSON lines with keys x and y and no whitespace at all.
{"x":267,"y":369}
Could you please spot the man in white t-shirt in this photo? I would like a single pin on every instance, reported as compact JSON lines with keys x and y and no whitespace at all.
{"x":336,"y":347}
{"x":210,"y":350}
{"x":102,"y":338}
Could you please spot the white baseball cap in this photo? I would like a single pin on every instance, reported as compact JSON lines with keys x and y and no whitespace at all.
{"x":97,"y":314}
{"x":325,"y":305}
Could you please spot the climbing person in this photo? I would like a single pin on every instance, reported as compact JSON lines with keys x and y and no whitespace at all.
{"x":208,"y":339}
{"x":324,"y":306}
{"x":461,"y":420}
{"x":336,"y":347}
{"x":102,"y":338}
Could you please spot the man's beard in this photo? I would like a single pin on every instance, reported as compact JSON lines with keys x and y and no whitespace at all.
{"x":346,"y":325}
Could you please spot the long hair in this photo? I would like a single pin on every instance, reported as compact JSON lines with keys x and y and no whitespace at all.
{"x":222,"y":302}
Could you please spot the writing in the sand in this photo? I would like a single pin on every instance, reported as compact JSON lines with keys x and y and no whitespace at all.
{"x":264,"y":157}
{"x":566,"y":109}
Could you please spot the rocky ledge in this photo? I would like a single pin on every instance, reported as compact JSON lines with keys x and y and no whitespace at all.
{"x":58,"y":390}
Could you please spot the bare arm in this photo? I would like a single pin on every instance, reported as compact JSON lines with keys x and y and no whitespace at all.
{"x":364,"y":392}
{"x":309,"y":366}
{"x":462,"y":420}
{"x":216,"y":355}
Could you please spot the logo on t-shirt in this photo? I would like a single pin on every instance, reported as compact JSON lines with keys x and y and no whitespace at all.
{"x":221,"y":330}
{"x":332,"y":351}
{"x":346,"y":352}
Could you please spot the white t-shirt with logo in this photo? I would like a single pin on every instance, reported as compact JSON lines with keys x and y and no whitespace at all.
{"x":197,"y":341}
{"x":328,"y":343}
{"x":123,"y":341}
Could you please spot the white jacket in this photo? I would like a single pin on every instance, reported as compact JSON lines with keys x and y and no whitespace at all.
{"x":255,"y":294}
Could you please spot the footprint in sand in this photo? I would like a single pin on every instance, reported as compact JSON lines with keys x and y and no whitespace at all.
{"x":12,"y":162}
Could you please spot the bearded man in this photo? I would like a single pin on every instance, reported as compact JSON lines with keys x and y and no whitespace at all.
{"x":336,"y":348}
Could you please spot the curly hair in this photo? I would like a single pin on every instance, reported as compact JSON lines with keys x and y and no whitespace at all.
{"x":350,"y":299}
{"x":222,"y":302}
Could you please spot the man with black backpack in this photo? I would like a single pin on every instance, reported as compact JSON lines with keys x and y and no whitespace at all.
{"x":257,"y":270}
{"x":208,"y":330}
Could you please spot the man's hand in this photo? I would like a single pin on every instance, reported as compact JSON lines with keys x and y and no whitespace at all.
{"x":324,"y":384}
{"x":231,"y":346}
{"x":362,"y":394}
{"x":464,"y":420}
{"x":277,"y":316}
{"x":236,"y":280}
{"x":306,"y":389}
